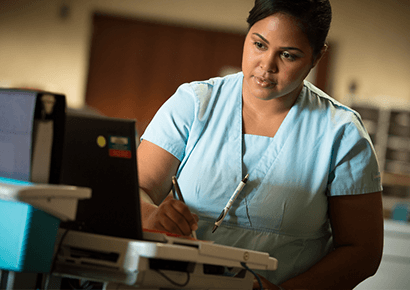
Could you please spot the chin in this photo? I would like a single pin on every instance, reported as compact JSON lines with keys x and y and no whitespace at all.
{"x":265,"y":97}
{"x":266,"y":94}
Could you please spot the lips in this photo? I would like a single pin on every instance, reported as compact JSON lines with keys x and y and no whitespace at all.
{"x":263,"y":82}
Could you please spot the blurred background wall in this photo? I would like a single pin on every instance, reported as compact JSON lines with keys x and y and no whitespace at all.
{"x":46,"y":43}
{"x":53,"y":44}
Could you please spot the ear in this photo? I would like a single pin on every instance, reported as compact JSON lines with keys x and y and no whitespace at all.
{"x":320,"y":55}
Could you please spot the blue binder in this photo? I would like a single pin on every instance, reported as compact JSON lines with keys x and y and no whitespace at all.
{"x":27,"y":237}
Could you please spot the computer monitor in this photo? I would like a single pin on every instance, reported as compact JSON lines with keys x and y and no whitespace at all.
{"x":100,"y":153}
{"x":31,"y":128}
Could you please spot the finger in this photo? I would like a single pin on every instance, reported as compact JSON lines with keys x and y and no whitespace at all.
{"x":170,"y":226}
{"x":255,"y":284}
{"x":170,"y":218}
{"x":190,"y":218}
{"x":168,"y":198}
{"x":194,"y":226}
{"x":182,"y":208}
{"x":179,"y":221}
{"x":266,"y":284}
{"x":161,"y":221}
{"x":166,"y":221}
{"x":195,"y":217}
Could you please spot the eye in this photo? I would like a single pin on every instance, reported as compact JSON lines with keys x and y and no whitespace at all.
{"x":259,"y":45}
{"x":288,"y":56}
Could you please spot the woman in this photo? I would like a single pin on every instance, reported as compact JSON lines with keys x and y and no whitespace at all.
{"x":313,"y":199}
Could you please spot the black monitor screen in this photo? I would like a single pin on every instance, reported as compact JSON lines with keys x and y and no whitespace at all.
{"x":100,"y":153}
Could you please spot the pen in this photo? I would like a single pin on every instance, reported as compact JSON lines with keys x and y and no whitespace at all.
{"x":180,"y":197}
{"x":177,"y":189}
{"x":230,"y":202}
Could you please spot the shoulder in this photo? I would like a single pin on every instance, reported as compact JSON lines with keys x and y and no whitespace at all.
{"x":213,"y":92}
{"x":325,"y":107}
{"x":328,"y":119}
{"x":206,"y":87}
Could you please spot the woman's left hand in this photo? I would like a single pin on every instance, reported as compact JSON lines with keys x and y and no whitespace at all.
{"x":265,"y":284}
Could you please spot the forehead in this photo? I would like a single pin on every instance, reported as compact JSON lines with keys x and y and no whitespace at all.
{"x":281,"y":27}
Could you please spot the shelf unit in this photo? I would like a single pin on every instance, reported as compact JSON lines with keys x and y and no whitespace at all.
{"x":389,"y":129}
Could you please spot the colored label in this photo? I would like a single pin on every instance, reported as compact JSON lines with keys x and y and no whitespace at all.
{"x":119,"y":147}
{"x":120,"y":153}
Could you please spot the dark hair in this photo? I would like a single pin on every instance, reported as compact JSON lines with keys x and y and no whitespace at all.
{"x":314,"y":16}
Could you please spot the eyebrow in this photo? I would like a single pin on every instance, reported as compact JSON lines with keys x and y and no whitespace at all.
{"x":285,"y":47}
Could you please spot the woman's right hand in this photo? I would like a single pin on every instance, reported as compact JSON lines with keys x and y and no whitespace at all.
{"x":172,"y":216}
{"x":156,"y":167}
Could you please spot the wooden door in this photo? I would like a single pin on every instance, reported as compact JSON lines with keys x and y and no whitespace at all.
{"x":135,"y":65}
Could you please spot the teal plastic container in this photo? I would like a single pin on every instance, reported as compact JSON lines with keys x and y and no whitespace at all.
{"x":27,"y":237}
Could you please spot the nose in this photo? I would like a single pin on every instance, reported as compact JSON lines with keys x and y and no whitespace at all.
{"x":269,"y":63}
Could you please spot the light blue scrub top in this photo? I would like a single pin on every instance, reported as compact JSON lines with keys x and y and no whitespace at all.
{"x":321,"y":149}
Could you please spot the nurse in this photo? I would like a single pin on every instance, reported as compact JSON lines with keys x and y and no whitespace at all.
{"x":313,"y":198}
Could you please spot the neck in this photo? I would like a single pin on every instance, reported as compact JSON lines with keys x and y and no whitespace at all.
{"x":269,"y":108}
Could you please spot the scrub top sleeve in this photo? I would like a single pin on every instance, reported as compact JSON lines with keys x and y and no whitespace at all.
{"x":354,"y":168}
{"x":170,"y":126}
